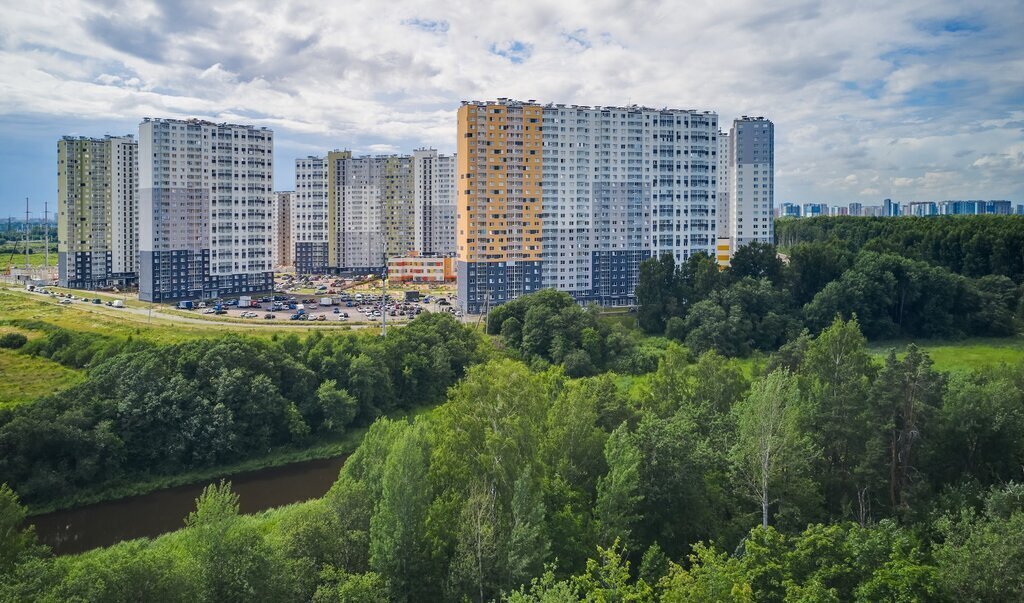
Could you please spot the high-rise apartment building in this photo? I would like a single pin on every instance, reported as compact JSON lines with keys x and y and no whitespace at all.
{"x":206,"y":205}
{"x":435,"y":194}
{"x":388,"y":206}
{"x":309,"y":220}
{"x":576,"y":197}
{"x":398,"y":188}
{"x":283,"y":248}
{"x":751,"y":178}
{"x":97,"y":211}
{"x":355,"y":230}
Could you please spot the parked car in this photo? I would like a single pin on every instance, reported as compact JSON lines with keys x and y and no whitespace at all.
{"x":268,"y":316}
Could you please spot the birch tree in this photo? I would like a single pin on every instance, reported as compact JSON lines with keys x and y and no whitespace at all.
{"x":770,"y":446}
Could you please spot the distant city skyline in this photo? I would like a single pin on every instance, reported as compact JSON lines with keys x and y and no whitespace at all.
{"x":914,"y":101}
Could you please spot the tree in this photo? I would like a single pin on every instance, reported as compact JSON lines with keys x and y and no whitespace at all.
{"x":528,"y":545}
{"x":215,"y":505}
{"x":757,"y":260}
{"x":398,"y":550}
{"x":339,"y":586}
{"x":770,"y":445}
{"x":16,"y":542}
{"x":338,"y":408}
{"x":616,"y":509}
{"x":712,"y":576}
{"x":655,"y":293}
{"x":607,"y":578}
{"x":906,"y":394}
{"x":836,"y":376}
{"x":474,"y":566}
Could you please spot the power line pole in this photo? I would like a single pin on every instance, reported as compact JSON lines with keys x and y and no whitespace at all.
{"x":26,"y":236}
{"x":46,"y":234}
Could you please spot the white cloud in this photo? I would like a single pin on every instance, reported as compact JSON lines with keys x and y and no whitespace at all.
{"x":872,"y":93}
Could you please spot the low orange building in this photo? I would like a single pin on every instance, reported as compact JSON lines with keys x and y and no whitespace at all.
{"x":421,"y":269}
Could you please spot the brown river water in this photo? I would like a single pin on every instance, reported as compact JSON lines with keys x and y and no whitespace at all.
{"x":148,"y":515}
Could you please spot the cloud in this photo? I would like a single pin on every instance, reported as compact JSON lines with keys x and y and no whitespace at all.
{"x":868,"y":98}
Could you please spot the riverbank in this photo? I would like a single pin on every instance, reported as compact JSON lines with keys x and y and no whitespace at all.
{"x":323,"y":449}
{"x":151,"y":515}
{"x":341,"y":446}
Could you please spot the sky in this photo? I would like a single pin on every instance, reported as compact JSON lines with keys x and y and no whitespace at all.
{"x":913,"y":99}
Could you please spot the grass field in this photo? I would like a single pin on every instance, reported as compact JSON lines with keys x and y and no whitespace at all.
{"x":26,"y":378}
{"x":14,"y":255}
{"x":113,"y":322}
{"x":964,"y":354}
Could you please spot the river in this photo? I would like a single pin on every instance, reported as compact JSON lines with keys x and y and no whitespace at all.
{"x":148,"y":515}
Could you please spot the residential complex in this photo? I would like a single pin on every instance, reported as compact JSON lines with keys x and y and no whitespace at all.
{"x":309,"y":219}
{"x":284,"y":252}
{"x":97,"y":211}
{"x":576,"y":197}
{"x":206,"y":202}
{"x":435,"y":197}
{"x":890,"y":208}
{"x":387,"y":206}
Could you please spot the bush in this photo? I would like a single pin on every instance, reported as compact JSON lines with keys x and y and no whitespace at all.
{"x":12,"y":341}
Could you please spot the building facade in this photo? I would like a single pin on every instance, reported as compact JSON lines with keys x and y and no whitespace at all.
{"x":387,"y":206}
{"x":751,"y":194}
{"x":419,"y":269}
{"x":206,"y":206}
{"x":283,"y":248}
{"x":355,"y":229}
{"x":435,"y":196}
{"x":576,"y":197}
{"x":309,"y":220}
{"x":97,"y":212}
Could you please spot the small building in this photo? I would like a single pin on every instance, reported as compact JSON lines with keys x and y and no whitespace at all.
{"x":415,"y":269}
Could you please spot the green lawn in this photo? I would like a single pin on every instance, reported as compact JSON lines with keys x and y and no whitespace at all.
{"x":965,"y":354}
{"x":26,"y":378}
{"x":14,"y":255}
{"x":113,"y":322}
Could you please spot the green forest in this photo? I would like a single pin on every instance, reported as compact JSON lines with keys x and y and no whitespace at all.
{"x":903,"y":278}
{"x":568,"y":456}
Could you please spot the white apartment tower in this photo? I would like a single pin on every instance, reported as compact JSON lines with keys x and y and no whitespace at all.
{"x":386,"y":206}
{"x":622,"y":184}
{"x":618,"y":185}
{"x":435,"y":196}
{"x":206,"y":206}
{"x":751,"y":177}
{"x":97,"y":211}
{"x":309,"y":216}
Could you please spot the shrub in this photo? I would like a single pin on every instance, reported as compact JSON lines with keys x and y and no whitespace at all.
{"x":12,"y":341}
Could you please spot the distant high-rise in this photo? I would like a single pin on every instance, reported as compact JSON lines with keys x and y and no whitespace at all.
{"x":284,"y":250}
{"x":856,"y":209}
{"x":576,"y":197}
{"x":309,"y":219}
{"x":206,"y":205}
{"x":751,"y":195}
{"x":890,"y":208}
{"x":97,"y":211}
{"x":435,"y":193}
{"x":386,"y":206}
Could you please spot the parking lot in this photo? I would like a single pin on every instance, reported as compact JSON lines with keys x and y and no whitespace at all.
{"x":351,"y":308}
